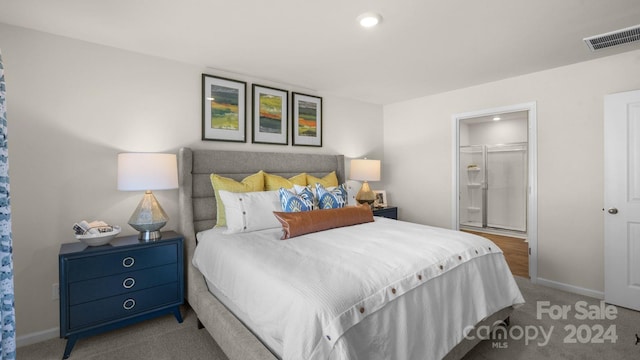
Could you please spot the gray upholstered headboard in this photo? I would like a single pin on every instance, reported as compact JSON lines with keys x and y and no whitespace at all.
{"x":195,"y":167}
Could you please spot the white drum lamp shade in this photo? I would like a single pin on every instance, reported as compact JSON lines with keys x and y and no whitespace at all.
{"x":365,"y":170}
{"x":147,"y":172}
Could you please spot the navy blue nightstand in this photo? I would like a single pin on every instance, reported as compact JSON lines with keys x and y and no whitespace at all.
{"x":390,"y":212}
{"x":107,"y":287}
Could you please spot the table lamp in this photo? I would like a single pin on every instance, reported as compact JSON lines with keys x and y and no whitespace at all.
{"x":147,"y":172}
{"x":365,"y":170}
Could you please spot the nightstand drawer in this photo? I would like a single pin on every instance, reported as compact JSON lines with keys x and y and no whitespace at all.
{"x":120,"y":262}
{"x":93,"y":289}
{"x":118,"y":307}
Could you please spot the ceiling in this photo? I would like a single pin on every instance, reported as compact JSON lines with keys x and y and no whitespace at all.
{"x":422,"y":47}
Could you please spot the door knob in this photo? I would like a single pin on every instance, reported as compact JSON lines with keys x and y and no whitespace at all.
{"x":612,"y":211}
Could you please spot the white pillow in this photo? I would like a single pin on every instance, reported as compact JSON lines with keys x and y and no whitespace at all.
{"x":298,"y":188}
{"x":250,"y":211}
{"x":353,"y":187}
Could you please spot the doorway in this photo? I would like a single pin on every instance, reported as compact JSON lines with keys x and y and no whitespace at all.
{"x":495,"y":179}
{"x":493,"y":156}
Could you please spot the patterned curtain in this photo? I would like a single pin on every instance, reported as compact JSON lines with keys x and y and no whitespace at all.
{"x":7,"y":312}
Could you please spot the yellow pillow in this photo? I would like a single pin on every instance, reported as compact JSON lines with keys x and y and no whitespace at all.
{"x":275,"y":182}
{"x":251,"y":183}
{"x":329,"y":180}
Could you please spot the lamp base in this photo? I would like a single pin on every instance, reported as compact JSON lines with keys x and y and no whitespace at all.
{"x":366,"y":195}
{"x":148,"y":218}
{"x":149,"y":235}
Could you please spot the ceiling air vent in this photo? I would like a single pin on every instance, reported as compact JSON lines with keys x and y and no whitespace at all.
{"x":618,"y":37}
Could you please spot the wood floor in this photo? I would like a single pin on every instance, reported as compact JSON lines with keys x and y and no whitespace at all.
{"x":516,"y":251}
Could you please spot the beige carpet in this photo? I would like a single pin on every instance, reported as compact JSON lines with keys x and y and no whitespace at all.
{"x":158,"y":339}
{"x":165,"y":339}
{"x":626,"y":325}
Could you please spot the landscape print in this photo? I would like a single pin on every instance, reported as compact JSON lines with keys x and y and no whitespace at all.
{"x":224,"y":108}
{"x":270,"y":114}
{"x":307,"y":118}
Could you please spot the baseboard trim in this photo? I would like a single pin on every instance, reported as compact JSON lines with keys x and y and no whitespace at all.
{"x":571,"y":288}
{"x":37,"y":337}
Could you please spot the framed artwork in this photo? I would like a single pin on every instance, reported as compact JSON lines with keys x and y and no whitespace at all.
{"x":270,"y":115}
{"x":223,"y":109}
{"x":306,"y":120}
{"x":381,"y":198}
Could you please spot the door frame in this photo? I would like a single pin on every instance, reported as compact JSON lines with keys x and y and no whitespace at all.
{"x":532,"y":154}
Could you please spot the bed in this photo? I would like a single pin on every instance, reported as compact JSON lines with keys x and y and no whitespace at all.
{"x":232,"y":329}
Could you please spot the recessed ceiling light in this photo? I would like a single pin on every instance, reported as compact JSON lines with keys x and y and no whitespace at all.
{"x":496,"y":118}
{"x":369,"y":19}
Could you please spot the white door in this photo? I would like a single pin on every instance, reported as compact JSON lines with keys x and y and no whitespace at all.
{"x":622,"y":199}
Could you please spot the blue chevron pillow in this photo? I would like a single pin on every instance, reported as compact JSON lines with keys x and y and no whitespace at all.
{"x":294,"y":203}
{"x":331,"y":199}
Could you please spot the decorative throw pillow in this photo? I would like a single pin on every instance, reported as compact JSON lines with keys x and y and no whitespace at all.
{"x":328,"y":180}
{"x":291,"y":202}
{"x":331,"y":199}
{"x":296,"y":224}
{"x":250,"y":211}
{"x":352,"y":187}
{"x":275,"y":182}
{"x":304,"y":189}
{"x":253,"y":182}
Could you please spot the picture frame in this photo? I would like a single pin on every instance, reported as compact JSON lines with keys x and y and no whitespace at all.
{"x":306,"y":120}
{"x":381,"y":198}
{"x":270,"y":115}
{"x":224,"y":107}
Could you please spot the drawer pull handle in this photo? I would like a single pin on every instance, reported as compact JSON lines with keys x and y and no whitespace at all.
{"x":128,"y":262}
{"x":128,"y":283}
{"x":129,"y":304}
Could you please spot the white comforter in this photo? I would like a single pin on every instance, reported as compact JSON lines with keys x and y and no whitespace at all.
{"x":382,"y":290}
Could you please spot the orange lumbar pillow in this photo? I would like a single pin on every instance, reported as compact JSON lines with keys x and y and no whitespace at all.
{"x":300,"y":223}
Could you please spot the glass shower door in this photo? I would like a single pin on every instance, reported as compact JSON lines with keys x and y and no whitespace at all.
{"x":506,"y":200}
{"x":472,"y":175}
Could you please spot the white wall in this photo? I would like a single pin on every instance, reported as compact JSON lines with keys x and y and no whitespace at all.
{"x":569,"y":99}
{"x":72,"y":106}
